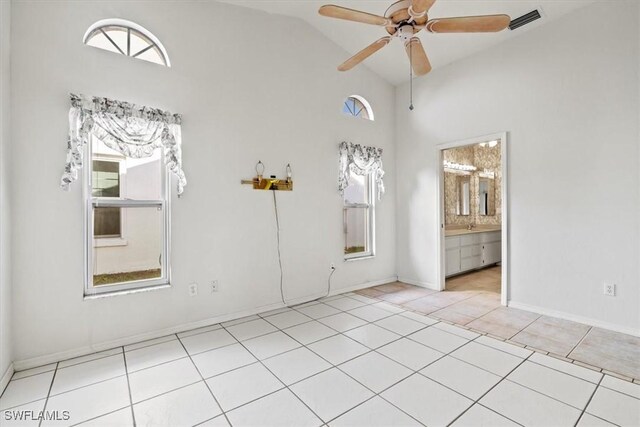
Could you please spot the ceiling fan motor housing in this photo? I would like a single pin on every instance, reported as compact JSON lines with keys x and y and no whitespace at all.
{"x":405,"y":33}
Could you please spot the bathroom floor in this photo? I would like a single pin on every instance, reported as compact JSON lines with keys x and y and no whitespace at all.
{"x":349,"y":360}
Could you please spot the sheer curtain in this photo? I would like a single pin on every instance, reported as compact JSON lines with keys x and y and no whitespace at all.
{"x":361,"y":160}
{"x":132,"y":130}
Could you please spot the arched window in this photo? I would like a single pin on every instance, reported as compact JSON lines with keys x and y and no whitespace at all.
{"x":357,"y":106}
{"x":126,"y":38}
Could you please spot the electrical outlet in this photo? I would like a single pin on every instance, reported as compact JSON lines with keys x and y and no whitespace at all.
{"x":193,"y":289}
{"x":610,"y":289}
{"x":215,"y":286}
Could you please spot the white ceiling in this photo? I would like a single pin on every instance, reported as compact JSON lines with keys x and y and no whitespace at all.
{"x":391,"y":62}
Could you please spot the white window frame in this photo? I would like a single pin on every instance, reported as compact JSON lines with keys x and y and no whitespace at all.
{"x":90,"y":202}
{"x":102,"y":242}
{"x":370,"y":237}
{"x":154,"y":42}
{"x":367,"y":107}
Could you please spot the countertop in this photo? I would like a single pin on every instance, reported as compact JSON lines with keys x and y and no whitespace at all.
{"x":475,"y":230}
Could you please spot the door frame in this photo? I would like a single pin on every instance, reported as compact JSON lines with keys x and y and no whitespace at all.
{"x":504,"y":142}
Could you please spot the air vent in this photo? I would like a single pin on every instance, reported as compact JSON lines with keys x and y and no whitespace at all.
{"x":525,"y":19}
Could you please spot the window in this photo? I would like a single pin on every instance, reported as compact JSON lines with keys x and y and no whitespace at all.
{"x":127,"y":221}
{"x":358,"y":214}
{"x":106,"y":183}
{"x":126,"y":38}
{"x":357,"y":106}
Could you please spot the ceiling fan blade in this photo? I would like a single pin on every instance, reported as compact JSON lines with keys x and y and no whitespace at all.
{"x":339,"y":12}
{"x":417,"y":56}
{"x":420,"y":7}
{"x":469,"y":24}
{"x":364,"y":54}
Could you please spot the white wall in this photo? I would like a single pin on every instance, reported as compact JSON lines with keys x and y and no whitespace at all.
{"x":568,"y":96}
{"x":251,"y":87}
{"x":6,"y":347}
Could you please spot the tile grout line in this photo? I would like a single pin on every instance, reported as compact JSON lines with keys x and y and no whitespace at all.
{"x":99,"y":416}
{"x":276,"y":377}
{"x":589,"y":401}
{"x":579,"y":342}
{"x":477,"y":401}
{"x":86,"y":361}
{"x":259,"y":316}
{"x":342,"y":363}
{"x":70,"y":390}
{"x":526,"y":359}
{"x":44,"y":408}
{"x":330,"y":363}
{"x":215,"y":399}
{"x":28,"y":376}
{"x":414,"y":372}
{"x":367,"y":322}
{"x":374,"y":351}
{"x":126,"y":370}
{"x":334,"y":366}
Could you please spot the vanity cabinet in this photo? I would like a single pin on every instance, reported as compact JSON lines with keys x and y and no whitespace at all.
{"x":472,"y":251}
{"x":491,"y":248}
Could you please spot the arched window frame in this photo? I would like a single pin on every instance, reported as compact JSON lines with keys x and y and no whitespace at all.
{"x":364,"y":103}
{"x":146,"y":34}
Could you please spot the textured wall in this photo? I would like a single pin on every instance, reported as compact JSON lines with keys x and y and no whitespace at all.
{"x":485,"y":159}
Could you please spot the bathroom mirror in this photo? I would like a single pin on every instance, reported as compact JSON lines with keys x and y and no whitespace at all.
{"x":486,"y":196}
{"x":463,"y":183}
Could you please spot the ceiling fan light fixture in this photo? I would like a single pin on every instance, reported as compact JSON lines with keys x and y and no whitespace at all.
{"x":405,"y":19}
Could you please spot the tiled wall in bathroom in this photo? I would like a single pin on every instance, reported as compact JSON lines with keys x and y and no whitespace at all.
{"x":483,"y":158}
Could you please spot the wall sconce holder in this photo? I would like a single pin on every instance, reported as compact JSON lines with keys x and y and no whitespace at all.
{"x":272,"y":183}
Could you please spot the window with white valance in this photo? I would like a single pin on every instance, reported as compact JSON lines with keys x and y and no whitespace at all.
{"x":361,"y":160}
{"x":359,"y":180}
{"x":127,"y":154}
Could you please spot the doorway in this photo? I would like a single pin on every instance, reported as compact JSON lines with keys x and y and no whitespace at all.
{"x":473,"y":226}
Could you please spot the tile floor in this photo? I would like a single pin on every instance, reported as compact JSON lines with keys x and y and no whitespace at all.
{"x":473,"y":301}
{"x":348,"y":360}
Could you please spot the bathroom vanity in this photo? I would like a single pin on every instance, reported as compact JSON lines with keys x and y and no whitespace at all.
{"x":468,"y":250}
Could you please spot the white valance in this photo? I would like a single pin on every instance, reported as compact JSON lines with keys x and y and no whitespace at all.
{"x":361,"y":160}
{"x":132,"y":130}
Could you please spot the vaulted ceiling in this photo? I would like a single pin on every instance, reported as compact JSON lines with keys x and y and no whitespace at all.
{"x":391,"y":62}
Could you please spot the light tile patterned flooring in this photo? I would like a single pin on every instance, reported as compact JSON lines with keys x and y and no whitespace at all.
{"x":349,"y":360}
{"x":473,"y":301}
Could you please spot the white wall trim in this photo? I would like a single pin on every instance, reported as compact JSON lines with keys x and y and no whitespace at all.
{"x":574,"y":318}
{"x":6,"y":377}
{"x":414,"y":282}
{"x":107,"y":345}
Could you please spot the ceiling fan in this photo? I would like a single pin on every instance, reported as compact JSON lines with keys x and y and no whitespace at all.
{"x":404,"y":19}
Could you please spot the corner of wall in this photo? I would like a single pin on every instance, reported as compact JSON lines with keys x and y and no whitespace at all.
{"x":6,"y":339}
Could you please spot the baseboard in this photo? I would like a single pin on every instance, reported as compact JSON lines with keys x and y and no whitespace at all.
{"x":6,"y":377}
{"x":365,"y":285}
{"x":575,"y":318}
{"x":21,"y":365}
{"x":419,"y":283}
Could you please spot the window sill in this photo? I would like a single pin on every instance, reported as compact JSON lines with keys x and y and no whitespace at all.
{"x":126,"y":292}
{"x":359,"y":258}
{"x":109,"y":242}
